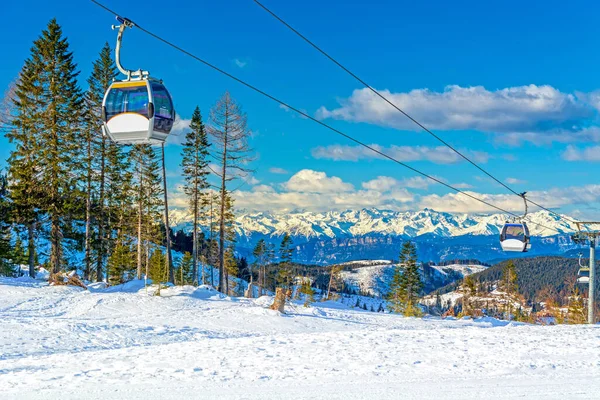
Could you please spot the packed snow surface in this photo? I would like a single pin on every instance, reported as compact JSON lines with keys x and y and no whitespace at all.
{"x":194,"y":343}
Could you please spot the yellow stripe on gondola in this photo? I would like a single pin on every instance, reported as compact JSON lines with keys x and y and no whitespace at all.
{"x":128,"y":84}
{"x":126,"y":113}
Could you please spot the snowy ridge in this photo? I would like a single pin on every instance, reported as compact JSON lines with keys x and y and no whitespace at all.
{"x":333,"y":224}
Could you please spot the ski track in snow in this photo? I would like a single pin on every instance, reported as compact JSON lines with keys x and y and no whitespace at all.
{"x":65,"y":342}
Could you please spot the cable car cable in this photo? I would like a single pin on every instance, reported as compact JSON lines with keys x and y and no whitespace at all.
{"x":304,"y":114}
{"x":384,"y":98}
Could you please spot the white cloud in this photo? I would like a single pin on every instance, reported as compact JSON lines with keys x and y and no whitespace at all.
{"x":381,"y":183}
{"x":263,"y":189}
{"x":311,"y":181}
{"x":315,"y":191}
{"x":385,"y":183}
{"x":462,"y":185}
{"x":240,"y":63}
{"x":513,"y":109}
{"x":180,"y":127}
{"x":553,"y":198}
{"x":591,"y":154}
{"x":438,"y":155}
{"x":277,"y":170}
{"x":578,"y":135}
{"x":514,"y":181}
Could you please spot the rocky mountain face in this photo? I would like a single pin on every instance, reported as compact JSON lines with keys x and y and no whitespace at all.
{"x":333,"y":237}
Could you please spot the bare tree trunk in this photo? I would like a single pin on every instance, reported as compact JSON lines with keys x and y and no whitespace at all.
{"x":195,"y":240}
{"x":31,"y":248}
{"x":210,"y":249}
{"x":169,"y":259}
{"x":88,"y":219}
{"x":140,"y":236}
{"x":55,"y":240}
{"x":222,"y":219}
{"x":100,"y":259}
{"x":329,"y":285}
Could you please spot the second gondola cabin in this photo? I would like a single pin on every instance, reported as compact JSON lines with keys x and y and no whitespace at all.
{"x":138,"y":112}
{"x":515,"y":237}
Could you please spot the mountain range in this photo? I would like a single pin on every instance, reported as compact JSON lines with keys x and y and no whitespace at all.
{"x":332,"y":237}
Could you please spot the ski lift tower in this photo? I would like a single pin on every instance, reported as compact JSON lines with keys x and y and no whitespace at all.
{"x":587,"y":236}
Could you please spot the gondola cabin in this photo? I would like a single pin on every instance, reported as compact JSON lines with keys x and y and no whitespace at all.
{"x":138,"y":111}
{"x":515,"y":237}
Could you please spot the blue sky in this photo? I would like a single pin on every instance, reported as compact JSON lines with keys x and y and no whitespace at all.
{"x":515,"y":86}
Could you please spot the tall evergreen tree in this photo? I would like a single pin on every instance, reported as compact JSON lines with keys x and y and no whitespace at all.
{"x":406,"y":283}
{"x":194,"y":165}
{"x":98,"y":162}
{"x":47,"y":121}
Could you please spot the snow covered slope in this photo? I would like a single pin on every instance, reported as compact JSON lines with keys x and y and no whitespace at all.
{"x":119,"y":343}
{"x":373,"y":277}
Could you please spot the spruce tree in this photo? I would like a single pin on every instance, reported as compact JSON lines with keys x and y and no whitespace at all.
{"x":157,"y":271}
{"x":49,"y":112}
{"x":185,"y":274}
{"x":406,"y":284}
{"x":396,"y":295}
{"x":120,"y":265}
{"x":98,"y":162}
{"x":194,"y":165}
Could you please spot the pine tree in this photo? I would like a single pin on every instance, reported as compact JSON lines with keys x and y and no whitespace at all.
{"x":396,"y":295}
{"x":509,"y":286}
{"x":102,"y":158}
{"x":406,"y":283}
{"x":260,"y":262}
{"x":469,"y":290}
{"x":229,"y":132}
{"x":157,"y":271}
{"x":185,"y":275}
{"x":19,"y":253}
{"x":194,"y":165}
{"x":47,"y":121}
{"x":308,"y":292}
{"x":120,"y":265}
